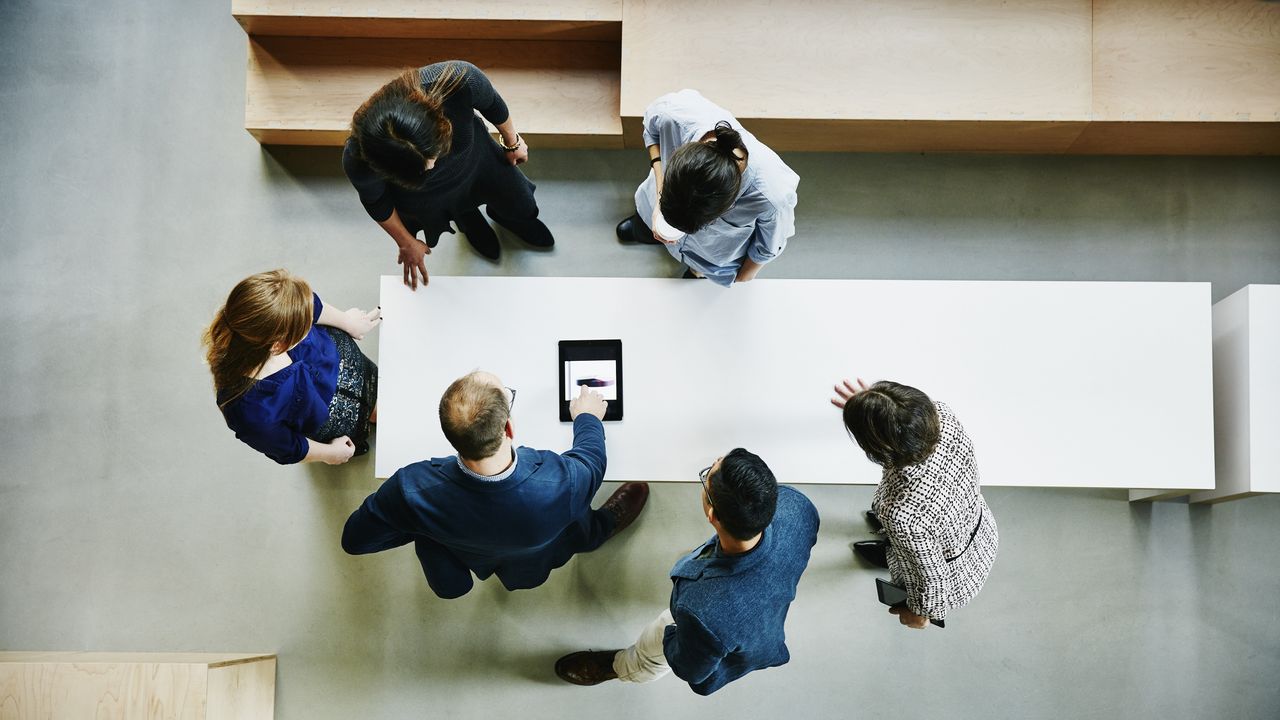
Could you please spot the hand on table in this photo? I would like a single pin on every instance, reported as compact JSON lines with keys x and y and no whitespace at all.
{"x":908,"y":618}
{"x":359,"y":323}
{"x":846,"y":390}
{"x":590,"y":402}
{"x":413,"y":259}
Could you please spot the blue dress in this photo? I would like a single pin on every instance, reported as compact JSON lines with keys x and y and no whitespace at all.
{"x":278,"y":414}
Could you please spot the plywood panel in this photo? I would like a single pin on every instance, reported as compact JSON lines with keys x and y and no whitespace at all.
{"x":1186,"y":60}
{"x":214,"y":659}
{"x":914,"y":135}
{"x":244,"y":691}
{"x":874,"y":59}
{"x":313,"y":85}
{"x":102,"y":691}
{"x":1178,"y":138}
{"x":610,"y":10}
{"x":377,"y":27}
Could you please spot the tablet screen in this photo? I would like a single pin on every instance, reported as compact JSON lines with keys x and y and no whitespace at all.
{"x":594,"y":365}
{"x":598,"y":375}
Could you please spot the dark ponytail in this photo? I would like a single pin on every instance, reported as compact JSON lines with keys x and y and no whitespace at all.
{"x":727,"y":140}
{"x":702,"y":179}
{"x":402,"y":125}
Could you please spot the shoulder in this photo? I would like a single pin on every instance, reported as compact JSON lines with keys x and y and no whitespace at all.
{"x":771,"y":178}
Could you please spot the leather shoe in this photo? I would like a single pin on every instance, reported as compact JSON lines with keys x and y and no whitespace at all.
{"x":634,"y":230}
{"x":873,"y":520}
{"x":874,"y":552}
{"x":625,"y":504}
{"x":479,"y":234}
{"x":587,"y":667}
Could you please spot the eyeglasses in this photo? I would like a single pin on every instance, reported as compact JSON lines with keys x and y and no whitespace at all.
{"x":512,"y":404}
{"x":702,"y":478}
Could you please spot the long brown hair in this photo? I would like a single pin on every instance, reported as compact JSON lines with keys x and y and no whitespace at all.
{"x":402,"y":124}
{"x":261,"y":310}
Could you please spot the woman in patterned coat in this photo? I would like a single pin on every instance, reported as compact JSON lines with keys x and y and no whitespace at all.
{"x":942,"y":537}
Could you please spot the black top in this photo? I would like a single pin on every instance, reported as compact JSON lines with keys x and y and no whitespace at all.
{"x":380,"y":196}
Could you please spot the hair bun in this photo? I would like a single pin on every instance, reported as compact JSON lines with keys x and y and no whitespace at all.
{"x":727,"y":139}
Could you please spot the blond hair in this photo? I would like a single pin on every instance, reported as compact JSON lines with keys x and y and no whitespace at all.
{"x":262,"y":310}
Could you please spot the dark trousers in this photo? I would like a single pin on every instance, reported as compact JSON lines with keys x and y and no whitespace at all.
{"x":492,"y":182}
{"x":448,"y":576}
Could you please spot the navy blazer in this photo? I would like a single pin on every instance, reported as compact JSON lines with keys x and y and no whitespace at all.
{"x":729,"y":610}
{"x":519,"y":528}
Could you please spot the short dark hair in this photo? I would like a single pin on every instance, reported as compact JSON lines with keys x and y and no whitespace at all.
{"x":744,"y":494}
{"x":702,"y":180}
{"x":473,"y":415}
{"x":895,"y":425}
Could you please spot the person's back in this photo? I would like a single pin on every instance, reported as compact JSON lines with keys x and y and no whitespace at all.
{"x":742,"y":601}
{"x":494,"y":509}
{"x":730,"y":596}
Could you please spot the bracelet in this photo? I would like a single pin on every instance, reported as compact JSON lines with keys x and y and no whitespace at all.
{"x":514,"y":146}
{"x":654,"y":160}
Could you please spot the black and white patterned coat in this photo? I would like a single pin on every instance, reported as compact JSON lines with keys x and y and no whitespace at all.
{"x":930,"y":511}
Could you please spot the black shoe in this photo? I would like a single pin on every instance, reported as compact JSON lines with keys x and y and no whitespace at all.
{"x":873,"y":520}
{"x":587,"y":667}
{"x":479,"y":234}
{"x":688,"y":275}
{"x":874,"y":552}
{"x":532,"y":231}
{"x":634,"y":230}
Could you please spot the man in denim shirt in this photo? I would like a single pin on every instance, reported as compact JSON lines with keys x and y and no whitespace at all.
{"x":730,"y":596}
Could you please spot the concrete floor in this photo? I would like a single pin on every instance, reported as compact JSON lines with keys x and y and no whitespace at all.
{"x":130,"y":519}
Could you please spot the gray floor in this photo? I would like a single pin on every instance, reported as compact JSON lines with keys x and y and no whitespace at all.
{"x":131,"y":200}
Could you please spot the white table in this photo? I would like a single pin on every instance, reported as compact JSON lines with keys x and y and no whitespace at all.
{"x":1246,"y":385}
{"x":1074,"y":384}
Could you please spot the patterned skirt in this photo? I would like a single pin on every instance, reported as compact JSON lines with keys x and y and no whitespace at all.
{"x":356,"y":396}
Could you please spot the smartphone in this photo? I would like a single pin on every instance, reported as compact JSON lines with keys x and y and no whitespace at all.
{"x":895,"y":596}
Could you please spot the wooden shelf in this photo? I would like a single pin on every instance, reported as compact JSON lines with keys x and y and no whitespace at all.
{"x":598,"y":20}
{"x":302,"y":91}
{"x":1167,"y":77}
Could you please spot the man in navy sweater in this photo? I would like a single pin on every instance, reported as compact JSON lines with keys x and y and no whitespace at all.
{"x":730,"y":595}
{"x":495,"y":509}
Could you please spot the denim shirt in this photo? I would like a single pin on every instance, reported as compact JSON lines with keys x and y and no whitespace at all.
{"x":729,"y":610}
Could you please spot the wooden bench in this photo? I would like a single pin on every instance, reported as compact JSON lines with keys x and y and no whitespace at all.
{"x":1054,"y":76}
{"x":311,"y":63}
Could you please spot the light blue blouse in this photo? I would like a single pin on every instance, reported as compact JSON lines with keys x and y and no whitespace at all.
{"x":761,"y":219}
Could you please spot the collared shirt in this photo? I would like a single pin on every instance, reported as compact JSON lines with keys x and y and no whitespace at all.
{"x":763,"y":215}
{"x":515,"y":458}
{"x":729,"y":610}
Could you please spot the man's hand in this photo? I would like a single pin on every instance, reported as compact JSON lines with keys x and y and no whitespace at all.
{"x":413,"y":259}
{"x":340,"y":450}
{"x":908,"y":618}
{"x":588,"y":401}
{"x":358,"y":323}
{"x":846,"y":390}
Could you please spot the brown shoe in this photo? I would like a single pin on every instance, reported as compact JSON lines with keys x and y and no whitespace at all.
{"x":587,"y":667}
{"x":626,"y":503}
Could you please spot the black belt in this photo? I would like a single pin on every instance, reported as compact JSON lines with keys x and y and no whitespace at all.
{"x":971,"y":536}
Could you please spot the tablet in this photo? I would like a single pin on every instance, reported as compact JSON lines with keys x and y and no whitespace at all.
{"x":593,"y":364}
{"x":895,"y":595}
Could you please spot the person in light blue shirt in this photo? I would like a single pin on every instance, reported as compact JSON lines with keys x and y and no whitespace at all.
{"x":721,"y":201}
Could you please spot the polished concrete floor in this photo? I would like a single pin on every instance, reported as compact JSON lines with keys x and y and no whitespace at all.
{"x":130,"y":519}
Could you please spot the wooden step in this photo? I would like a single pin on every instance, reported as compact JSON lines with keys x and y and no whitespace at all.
{"x":303,"y":90}
{"x":599,"y":20}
